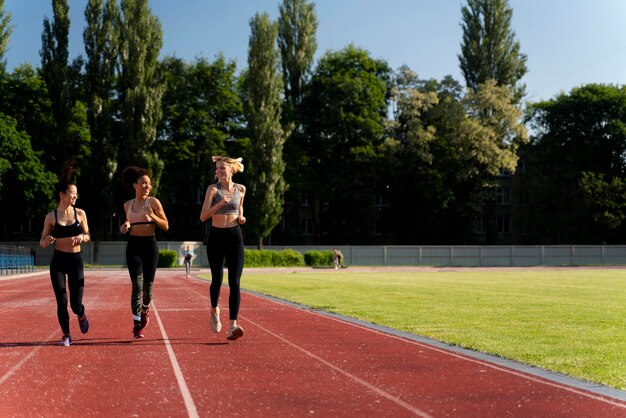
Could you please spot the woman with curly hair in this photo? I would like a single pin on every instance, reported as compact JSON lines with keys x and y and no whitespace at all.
{"x":143,"y":214}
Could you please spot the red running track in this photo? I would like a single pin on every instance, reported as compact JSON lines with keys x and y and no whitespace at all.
{"x":291,"y":362}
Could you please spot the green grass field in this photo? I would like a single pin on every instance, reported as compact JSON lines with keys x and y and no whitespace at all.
{"x":569,"y":321}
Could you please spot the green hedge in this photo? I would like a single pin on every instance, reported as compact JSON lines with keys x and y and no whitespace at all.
{"x":167,"y":258}
{"x":271,"y":258}
{"x":319,"y":258}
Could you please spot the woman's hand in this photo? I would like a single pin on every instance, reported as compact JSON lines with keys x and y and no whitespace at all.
{"x":46,"y":241}
{"x":125,"y":227}
{"x":241,"y":219}
{"x":78,"y":239}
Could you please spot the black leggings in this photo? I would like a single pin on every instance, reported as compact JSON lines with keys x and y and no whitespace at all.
{"x":72,"y":265}
{"x":226,"y":243}
{"x":142,"y":256}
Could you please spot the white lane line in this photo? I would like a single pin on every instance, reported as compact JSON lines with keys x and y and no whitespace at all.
{"x":182,"y":384}
{"x":20,"y":363}
{"x":491,"y":365}
{"x":459,"y":356}
{"x":371,"y":387}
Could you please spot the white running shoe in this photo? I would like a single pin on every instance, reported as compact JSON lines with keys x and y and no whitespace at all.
{"x":216,"y":325}
{"x":234,"y":333}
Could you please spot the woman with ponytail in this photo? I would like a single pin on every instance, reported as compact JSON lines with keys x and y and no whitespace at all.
{"x":223,"y":203}
{"x":66,"y":227}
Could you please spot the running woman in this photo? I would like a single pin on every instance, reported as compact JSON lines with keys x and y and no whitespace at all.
{"x":66,"y":227}
{"x":223,"y":203}
{"x":143,"y":214}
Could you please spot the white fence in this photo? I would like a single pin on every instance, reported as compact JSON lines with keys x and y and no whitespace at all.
{"x":113,"y":253}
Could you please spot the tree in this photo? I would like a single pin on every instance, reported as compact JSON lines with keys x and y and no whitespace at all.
{"x":575,"y":167}
{"x":100,"y":38}
{"x":490,"y":56}
{"x":345,"y":111}
{"x":202,"y":113}
{"x":69,"y":137}
{"x":412,"y":157}
{"x":297,"y":26}
{"x":5,"y":34}
{"x":263,"y":112}
{"x":25,"y":98}
{"x":140,"y":94}
{"x":21,"y":169}
{"x":489,"y":50}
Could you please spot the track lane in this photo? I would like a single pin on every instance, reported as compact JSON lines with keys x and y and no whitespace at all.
{"x":291,"y":362}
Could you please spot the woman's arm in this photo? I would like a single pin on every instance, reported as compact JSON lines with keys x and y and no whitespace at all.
{"x":208,"y":209}
{"x":84,"y":237}
{"x":156,"y":212}
{"x":47,"y":239}
{"x":125,"y":227}
{"x":240,"y":218}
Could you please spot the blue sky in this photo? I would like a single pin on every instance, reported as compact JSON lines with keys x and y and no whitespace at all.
{"x":568,"y":42}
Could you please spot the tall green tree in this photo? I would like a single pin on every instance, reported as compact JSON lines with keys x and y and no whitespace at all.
{"x":140,"y":93}
{"x":25,"y":98}
{"x":575,"y":167}
{"x":263,"y":112}
{"x":21,"y":169}
{"x":490,"y":56}
{"x":412,"y":155}
{"x":297,"y":27}
{"x":202,"y":114}
{"x":489,"y":50}
{"x":69,"y":137}
{"x":345,"y":115}
{"x":5,"y":34}
{"x":101,"y":40}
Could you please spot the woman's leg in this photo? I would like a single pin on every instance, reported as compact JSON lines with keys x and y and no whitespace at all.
{"x":149,"y":260}
{"x":234,"y":260}
{"x":133,"y":261}
{"x":215,"y":255}
{"x":57,"y":277}
{"x":76,"y":283}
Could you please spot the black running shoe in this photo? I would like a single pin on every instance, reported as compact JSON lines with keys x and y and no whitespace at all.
{"x":84,"y":325}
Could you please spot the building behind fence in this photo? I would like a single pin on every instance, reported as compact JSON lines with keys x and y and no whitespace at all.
{"x":23,"y":255}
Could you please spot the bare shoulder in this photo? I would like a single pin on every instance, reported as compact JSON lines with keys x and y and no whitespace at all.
{"x":211,"y":189}
{"x":49,"y":217}
{"x":242,"y":188}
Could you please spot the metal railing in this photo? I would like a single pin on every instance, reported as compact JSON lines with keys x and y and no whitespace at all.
{"x":112,"y":253}
{"x":16,"y":259}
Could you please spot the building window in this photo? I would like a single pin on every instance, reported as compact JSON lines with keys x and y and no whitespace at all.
{"x":304,"y":199}
{"x":306,"y":226}
{"x":503,"y":223}
{"x":479,"y":226}
{"x":503,"y":195}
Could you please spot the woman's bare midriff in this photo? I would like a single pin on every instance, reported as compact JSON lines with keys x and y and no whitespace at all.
{"x":142,"y":230}
{"x":65,"y":245}
{"x":224,"y":221}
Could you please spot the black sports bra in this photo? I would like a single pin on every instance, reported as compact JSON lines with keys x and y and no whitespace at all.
{"x":65,"y":231}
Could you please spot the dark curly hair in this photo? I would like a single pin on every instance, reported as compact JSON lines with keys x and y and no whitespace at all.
{"x":131,"y":174}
